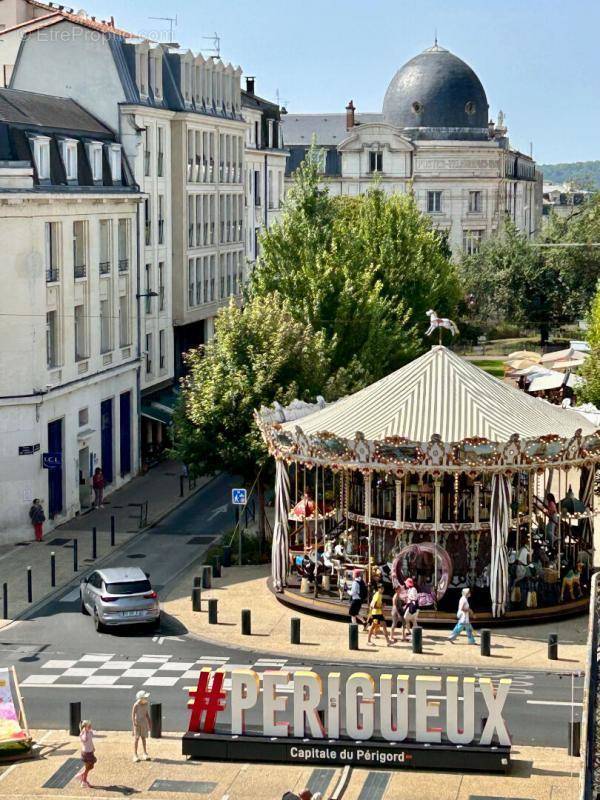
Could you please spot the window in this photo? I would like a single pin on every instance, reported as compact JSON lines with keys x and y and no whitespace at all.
{"x":52,"y":245}
{"x":79,"y":249}
{"x":68,"y":151}
{"x":375,"y":161}
{"x":199,"y":279}
{"x":147,"y":289}
{"x":191,"y":200}
{"x":472,"y":241}
{"x":105,"y":337}
{"x":162,"y":357}
{"x":124,"y":338}
{"x":160,"y":155}
{"x":434,"y":202}
{"x":222,"y":276}
{"x":280,"y":189}
{"x":51,"y":340}
{"x":84,"y":417}
{"x":270,"y":187}
{"x":41,"y":155}
{"x":114,"y":159}
{"x":161,"y":286}
{"x":123,"y":245}
{"x":256,"y":187}
{"x":191,"y":284}
{"x":148,"y":353}
{"x":147,"y":152}
{"x":105,"y":246}
{"x":257,"y":133}
{"x":474,"y":202}
{"x":148,"y":221}
{"x":80,"y":333}
{"x":161,"y":219}
{"x":94,"y":151}
{"x":213,"y":268}
{"x":143,"y":75}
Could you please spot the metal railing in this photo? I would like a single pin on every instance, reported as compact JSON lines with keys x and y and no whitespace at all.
{"x":589,"y":780}
{"x":79,"y":270}
{"x":123,"y":264}
{"x":104,"y":267}
{"x":52,"y":274}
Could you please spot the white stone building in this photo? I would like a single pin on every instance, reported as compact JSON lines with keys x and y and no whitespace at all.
{"x":69,"y":377}
{"x":433,"y":137}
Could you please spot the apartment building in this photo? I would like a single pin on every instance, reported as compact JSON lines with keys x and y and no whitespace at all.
{"x":69,"y":382}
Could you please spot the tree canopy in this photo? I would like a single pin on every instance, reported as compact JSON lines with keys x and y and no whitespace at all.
{"x":590,"y":371}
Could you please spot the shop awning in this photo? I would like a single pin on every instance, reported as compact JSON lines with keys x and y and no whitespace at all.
{"x":157,"y":414}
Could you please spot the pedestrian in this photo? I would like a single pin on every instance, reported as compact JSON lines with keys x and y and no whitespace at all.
{"x":377,"y":618}
{"x":397,"y":609}
{"x":411,"y":609}
{"x":358,"y":595}
{"x":88,"y":756}
{"x":37,"y":517}
{"x":140,"y":721}
{"x":98,"y":484}
{"x":464,"y":615}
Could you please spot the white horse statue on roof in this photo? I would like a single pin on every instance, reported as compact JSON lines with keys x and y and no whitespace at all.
{"x":437,"y":323}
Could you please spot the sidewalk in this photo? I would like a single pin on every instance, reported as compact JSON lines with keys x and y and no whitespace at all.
{"x":536,"y":774}
{"x":160,"y":488}
{"x":519,"y":647}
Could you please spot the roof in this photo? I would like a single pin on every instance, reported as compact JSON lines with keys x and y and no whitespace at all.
{"x":56,"y":15}
{"x":46,"y":111}
{"x":122,"y":574}
{"x":330,"y":129}
{"x":441,"y":393}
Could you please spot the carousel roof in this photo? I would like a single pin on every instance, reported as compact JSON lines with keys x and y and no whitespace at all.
{"x":441,"y":393}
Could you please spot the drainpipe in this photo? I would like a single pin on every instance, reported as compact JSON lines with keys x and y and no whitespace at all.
{"x":138,"y":375}
{"x":266,"y":198}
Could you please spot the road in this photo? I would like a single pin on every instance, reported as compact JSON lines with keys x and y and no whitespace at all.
{"x":60,"y":658}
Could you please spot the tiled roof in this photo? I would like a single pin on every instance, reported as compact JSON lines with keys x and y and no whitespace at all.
{"x":56,"y":15}
{"x":328,"y":128}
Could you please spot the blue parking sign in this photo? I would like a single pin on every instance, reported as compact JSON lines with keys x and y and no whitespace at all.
{"x":238,"y":497}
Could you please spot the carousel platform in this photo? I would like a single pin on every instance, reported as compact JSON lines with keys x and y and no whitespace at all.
{"x":329,"y":605}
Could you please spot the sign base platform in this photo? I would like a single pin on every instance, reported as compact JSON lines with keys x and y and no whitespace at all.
{"x":339,"y":752}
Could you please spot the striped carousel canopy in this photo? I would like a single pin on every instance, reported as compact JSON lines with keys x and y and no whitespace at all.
{"x":441,"y":393}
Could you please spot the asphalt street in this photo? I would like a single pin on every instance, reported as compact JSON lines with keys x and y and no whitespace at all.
{"x":60,"y":658}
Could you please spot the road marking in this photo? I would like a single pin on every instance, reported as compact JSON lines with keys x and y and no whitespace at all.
{"x":79,"y":672}
{"x":176,"y":666}
{"x":70,"y":597}
{"x":98,"y":657}
{"x":74,"y":686}
{"x":154,"y":658}
{"x":138,"y":673}
{"x":220,"y":510}
{"x":58,"y":664}
{"x":552,"y":703}
{"x":161,"y":681}
{"x":101,"y":680}
{"x":163,"y":639}
{"x":116,"y":665}
{"x":39,"y":680}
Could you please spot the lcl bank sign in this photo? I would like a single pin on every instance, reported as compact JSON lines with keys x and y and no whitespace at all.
{"x":426,"y":721}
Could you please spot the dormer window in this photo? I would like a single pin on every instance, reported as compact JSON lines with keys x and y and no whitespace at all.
{"x":41,"y":155}
{"x":68,"y":151}
{"x":155,"y":74}
{"x":94,"y":150}
{"x":114,"y":159}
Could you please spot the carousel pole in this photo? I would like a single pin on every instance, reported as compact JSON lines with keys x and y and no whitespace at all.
{"x":437,"y":515}
{"x":316,"y":527}
{"x":368,"y":500}
{"x":518,"y":523}
{"x":559,"y":525}
{"x":304,"y":515}
{"x":530,"y":483}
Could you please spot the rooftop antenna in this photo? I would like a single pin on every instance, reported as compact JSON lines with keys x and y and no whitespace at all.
{"x":172,"y":22}
{"x":435,"y":44}
{"x":216,"y":44}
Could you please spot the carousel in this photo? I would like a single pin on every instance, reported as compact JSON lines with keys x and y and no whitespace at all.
{"x":439,"y":472}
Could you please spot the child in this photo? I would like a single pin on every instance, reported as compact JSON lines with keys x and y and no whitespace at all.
{"x":377,"y":619}
{"x":86,"y":736}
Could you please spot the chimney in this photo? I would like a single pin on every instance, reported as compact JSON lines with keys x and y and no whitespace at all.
{"x":112,"y":22}
{"x":350,"y":116}
{"x":250,"y":84}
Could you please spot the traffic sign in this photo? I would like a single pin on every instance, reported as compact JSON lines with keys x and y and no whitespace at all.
{"x":51,"y":460}
{"x":239,"y":497}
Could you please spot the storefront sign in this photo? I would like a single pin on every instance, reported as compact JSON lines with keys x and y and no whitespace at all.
{"x":51,"y":460}
{"x":396,"y":721}
{"x":28,"y":449}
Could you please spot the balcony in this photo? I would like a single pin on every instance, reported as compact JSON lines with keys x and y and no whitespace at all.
{"x":104,"y":267}
{"x":123,"y":265}
{"x":79,"y":271}
{"x":52,"y":275}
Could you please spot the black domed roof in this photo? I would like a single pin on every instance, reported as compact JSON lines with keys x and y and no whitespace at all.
{"x":436,"y":90}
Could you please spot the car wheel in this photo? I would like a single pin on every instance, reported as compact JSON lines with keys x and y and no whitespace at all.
{"x":82,"y":607}
{"x":97,"y":624}
{"x":155,"y":624}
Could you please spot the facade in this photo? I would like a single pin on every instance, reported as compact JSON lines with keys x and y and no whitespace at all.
{"x":433,"y":138}
{"x":70,"y":379}
{"x":563,"y":199}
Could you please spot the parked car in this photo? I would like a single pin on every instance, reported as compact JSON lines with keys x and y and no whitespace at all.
{"x":120,"y":596}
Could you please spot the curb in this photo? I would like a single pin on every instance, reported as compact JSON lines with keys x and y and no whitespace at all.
{"x":35,"y":607}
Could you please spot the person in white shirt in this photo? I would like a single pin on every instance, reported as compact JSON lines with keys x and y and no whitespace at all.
{"x":464,"y":615}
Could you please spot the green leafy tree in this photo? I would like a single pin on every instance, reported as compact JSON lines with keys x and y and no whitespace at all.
{"x":590,"y":371}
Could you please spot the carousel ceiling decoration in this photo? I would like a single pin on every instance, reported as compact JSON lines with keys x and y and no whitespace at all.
{"x":438,"y":411}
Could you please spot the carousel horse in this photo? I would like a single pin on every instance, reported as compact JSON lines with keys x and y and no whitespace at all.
{"x":572,"y":581}
{"x":427,"y":595}
{"x":436,"y":323}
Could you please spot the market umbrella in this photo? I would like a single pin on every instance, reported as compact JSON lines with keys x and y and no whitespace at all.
{"x":520,"y":363}
{"x":524,"y":354}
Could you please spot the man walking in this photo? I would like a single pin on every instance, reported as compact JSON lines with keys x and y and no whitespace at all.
{"x":463,"y":615}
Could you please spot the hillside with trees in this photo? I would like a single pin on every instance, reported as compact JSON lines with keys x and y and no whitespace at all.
{"x":585,"y":174}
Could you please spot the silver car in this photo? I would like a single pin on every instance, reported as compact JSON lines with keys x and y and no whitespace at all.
{"x":119,"y":597}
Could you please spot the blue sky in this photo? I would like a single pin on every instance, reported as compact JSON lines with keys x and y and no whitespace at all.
{"x":538,"y":60}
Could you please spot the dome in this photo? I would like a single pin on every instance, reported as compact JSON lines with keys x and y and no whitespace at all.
{"x":436,"y":95}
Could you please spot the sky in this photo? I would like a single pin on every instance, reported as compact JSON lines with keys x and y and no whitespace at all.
{"x":538,"y":60}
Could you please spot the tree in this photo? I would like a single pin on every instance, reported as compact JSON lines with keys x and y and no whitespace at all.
{"x":590,"y":371}
{"x":512,"y":279}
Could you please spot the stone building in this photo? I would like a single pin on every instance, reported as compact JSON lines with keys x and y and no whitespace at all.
{"x":433,"y":137}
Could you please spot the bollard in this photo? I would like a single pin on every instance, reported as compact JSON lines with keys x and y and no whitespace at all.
{"x":486,"y":640}
{"x":417,"y":639}
{"x":197,"y":584}
{"x":29,"y":586}
{"x":226,"y":556}
{"x":5,"y":600}
{"x":246,"y":622}
{"x":574,"y":747}
{"x":52,"y":569}
{"x":94,"y":543}
{"x":155,"y":720}
{"x":196,"y":598}
{"x":112,"y":530}
{"x":206,"y":577}
{"x":553,"y":646}
{"x":216,"y":567}
{"x":295,"y":630}
{"x":75,"y":562}
{"x":353,"y":636}
{"x":181,"y":477}
{"x":212,"y":611}
{"x":74,"y":718}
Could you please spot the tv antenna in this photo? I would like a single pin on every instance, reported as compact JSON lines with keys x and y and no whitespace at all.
{"x":216,"y":44}
{"x":172,"y":23}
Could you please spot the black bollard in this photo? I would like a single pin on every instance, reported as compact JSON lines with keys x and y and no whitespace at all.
{"x":52,"y":569}
{"x":216,"y":567}
{"x":29,"y":586}
{"x":75,"y":562}
{"x":417,"y":639}
{"x":196,"y":598}
{"x":74,"y":718}
{"x":94,"y":543}
{"x":353,"y":636}
{"x":206,"y":577}
{"x":212,"y":612}
{"x":155,"y":720}
{"x":112,"y":530}
{"x":486,"y":640}
{"x":574,"y":747}
{"x":197,"y":584}
{"x":246,"y":622}
{"x":295,"y":630}
{"x":181,"y":478}
{"x":5,"y":600}
{"x":226,"y":556}
{"x":553,"y":646}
